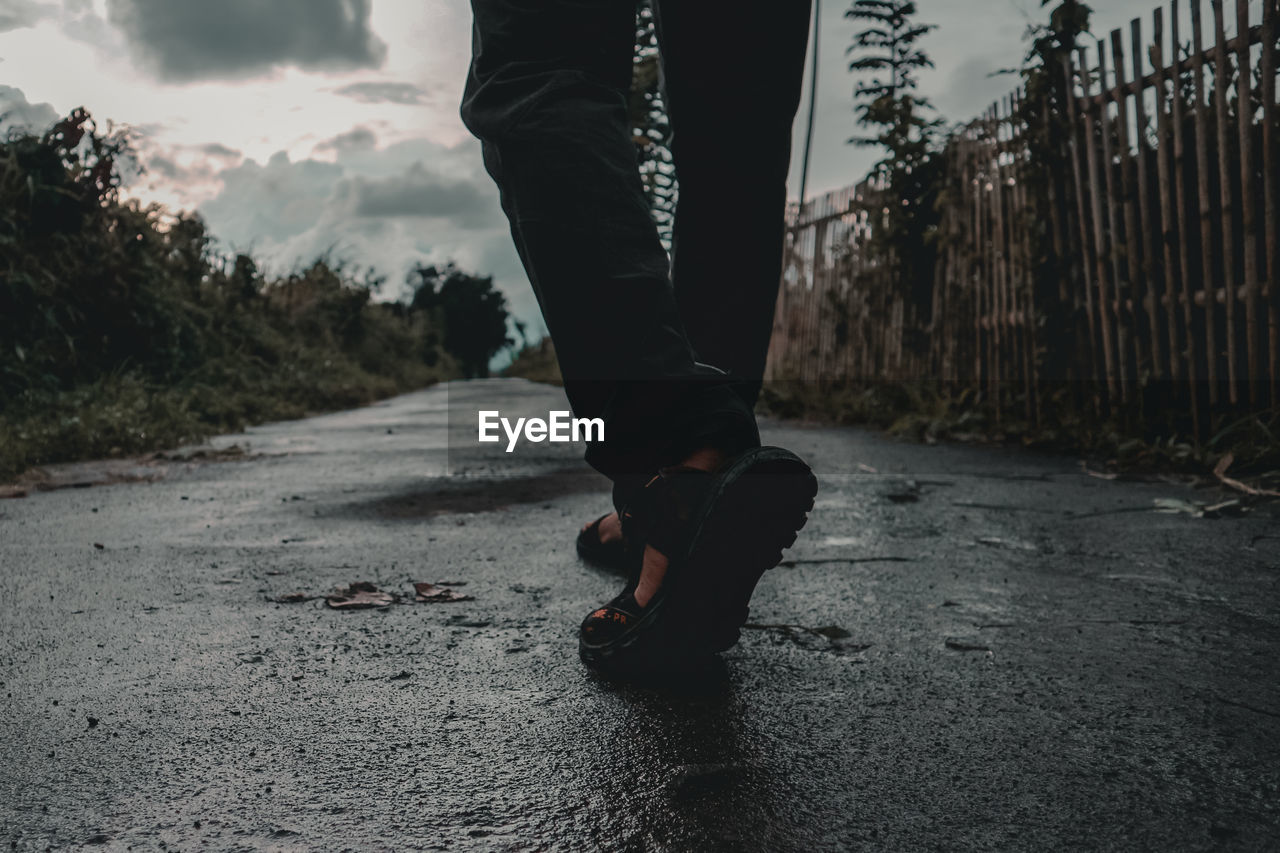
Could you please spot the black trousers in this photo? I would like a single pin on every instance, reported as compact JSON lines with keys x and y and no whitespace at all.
{"x":669,"y":351}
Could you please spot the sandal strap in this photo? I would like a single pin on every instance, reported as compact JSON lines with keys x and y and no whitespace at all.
{"x":612,"y":618}
{"x":608,"y":613}
{"x":590,"y":535}
{"x":658,"y":514}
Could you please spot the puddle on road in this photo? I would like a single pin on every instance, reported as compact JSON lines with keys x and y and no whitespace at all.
{"x":451,"y":495}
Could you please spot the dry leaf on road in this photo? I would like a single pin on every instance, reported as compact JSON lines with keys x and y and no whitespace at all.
{"x":433,"y":593}
{"x":359,"y":595}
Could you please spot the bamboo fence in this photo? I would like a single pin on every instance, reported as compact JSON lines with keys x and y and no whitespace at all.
{"x":1141,"y":266}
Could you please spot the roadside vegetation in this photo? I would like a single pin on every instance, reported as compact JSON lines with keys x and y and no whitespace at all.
{"x":123,"y":330}
{"x":537,"y":363}
{"x":930,"y":412}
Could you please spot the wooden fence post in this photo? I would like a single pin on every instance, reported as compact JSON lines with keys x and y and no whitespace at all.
{"x":1225,"y":192}
{"x":1207,"y":267}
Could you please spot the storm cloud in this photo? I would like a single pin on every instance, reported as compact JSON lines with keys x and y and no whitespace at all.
{"x":244,"y":38}
{"x":373,"y":92}
{"x":18,"y":14}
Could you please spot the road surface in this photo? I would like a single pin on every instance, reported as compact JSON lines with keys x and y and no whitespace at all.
{"x":968,"y":648}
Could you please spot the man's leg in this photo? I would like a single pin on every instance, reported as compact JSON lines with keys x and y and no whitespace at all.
{"x":732,"y":86}
{"x":547,"y":96}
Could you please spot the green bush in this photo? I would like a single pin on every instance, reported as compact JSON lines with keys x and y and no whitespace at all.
{"x":122,"y":330}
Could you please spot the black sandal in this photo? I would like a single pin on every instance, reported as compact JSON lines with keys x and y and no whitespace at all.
{"x":611,"y":556}
{"x":720,"y":532}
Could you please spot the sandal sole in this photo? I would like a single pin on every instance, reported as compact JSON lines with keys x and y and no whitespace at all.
{"x":753,"y":512}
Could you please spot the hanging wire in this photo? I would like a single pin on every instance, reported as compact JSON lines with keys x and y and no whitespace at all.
{"x":813,"y":97}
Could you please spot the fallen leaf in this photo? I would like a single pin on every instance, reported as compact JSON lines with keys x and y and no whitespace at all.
{"x":433,"y":593}
{"x":1174,"y":505}
{"x":359,"y":595}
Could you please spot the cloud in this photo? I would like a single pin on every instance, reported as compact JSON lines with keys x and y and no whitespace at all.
{"x":243,"y":38}
{"x":164,"y":167}
{"x":217,"y":149}
{"x":82,"y":23}
{"x":383,"y":93}
{"x":356,"y":139}
{"x":19,"y":14}
{"x":271,"y":202}
{"x":420,"y":193}
{"x":412,"y":202}
{"x":180,"y":175}
{"x":16,"y":114}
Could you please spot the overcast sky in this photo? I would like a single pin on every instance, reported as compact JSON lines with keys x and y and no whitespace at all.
{"x":297,"y":126}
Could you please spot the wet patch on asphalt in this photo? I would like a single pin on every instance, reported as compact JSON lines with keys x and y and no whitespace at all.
{"x":104,"y":472}
{"x":455,"y":496}
{"x":827,"y":638}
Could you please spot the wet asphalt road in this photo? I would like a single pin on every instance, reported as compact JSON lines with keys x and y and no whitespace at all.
{"x":1013,"y":655}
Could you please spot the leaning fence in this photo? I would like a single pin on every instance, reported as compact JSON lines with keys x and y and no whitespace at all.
{"x":1144,"y":258}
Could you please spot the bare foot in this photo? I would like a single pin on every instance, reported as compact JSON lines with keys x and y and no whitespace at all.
{"x":654,"y":566}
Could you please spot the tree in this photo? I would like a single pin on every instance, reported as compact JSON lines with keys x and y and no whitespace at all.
{"x":1051,"y":45}
{"x":1042,"y":71}
{"x":1051,"y":42}
{"x":471,"y":311}
{"x":899,"y":123}
{"x":891,"y":36}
